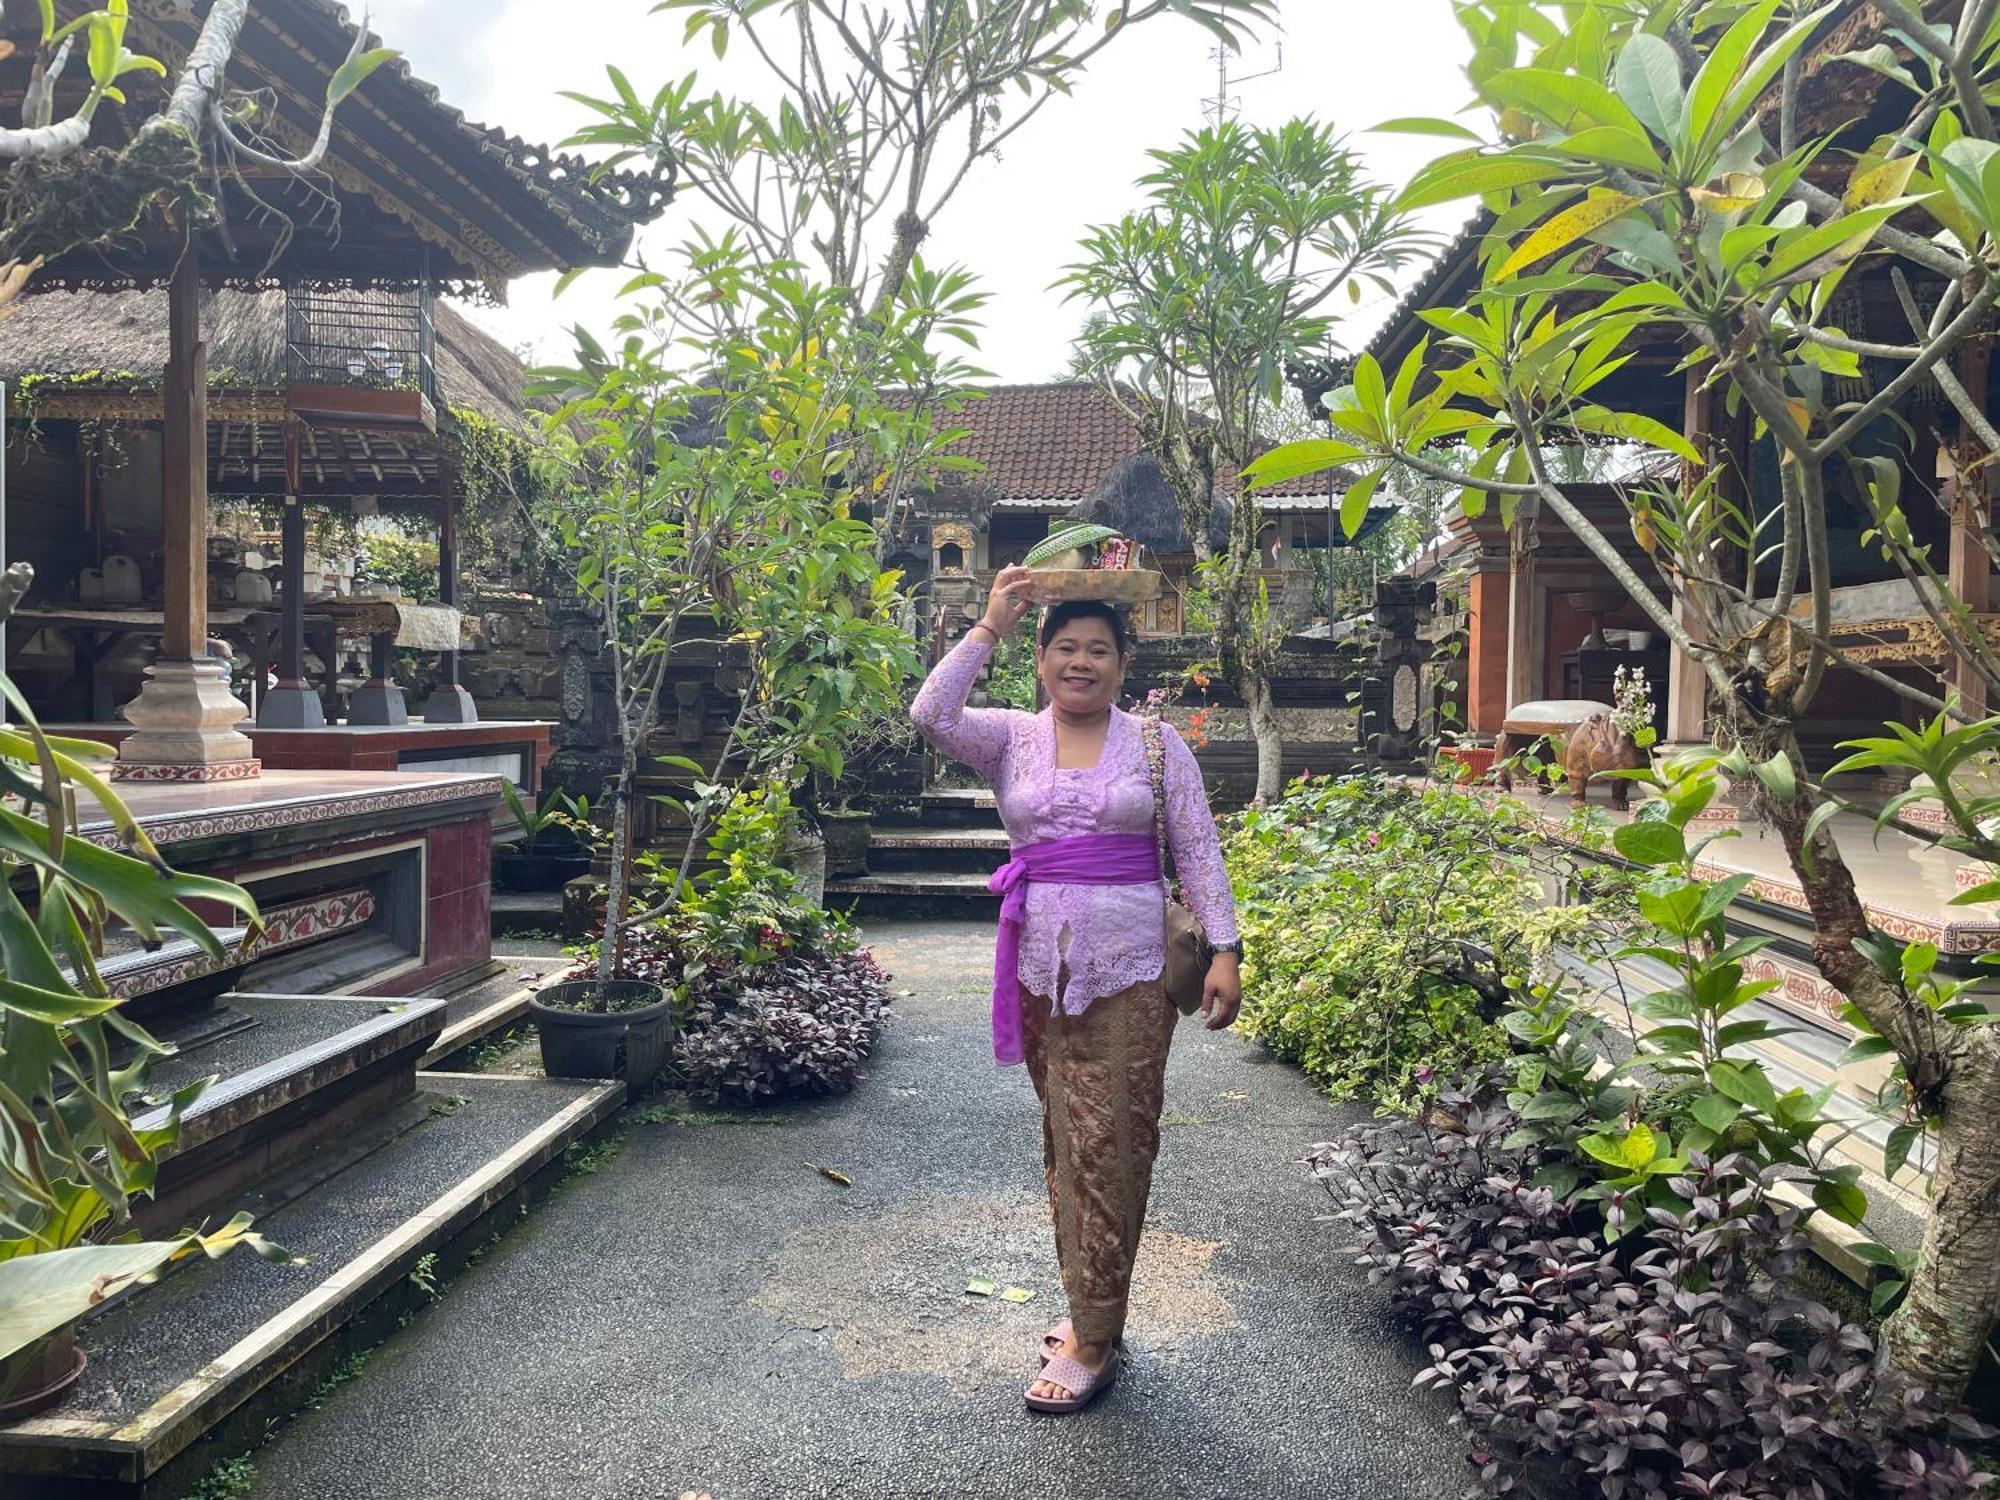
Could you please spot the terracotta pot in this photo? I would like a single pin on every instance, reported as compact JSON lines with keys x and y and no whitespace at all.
{"x":37,"y":1377}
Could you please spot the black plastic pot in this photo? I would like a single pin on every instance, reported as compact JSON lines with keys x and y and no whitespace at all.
{"x":846,"y":835}
{"x":516,"y":870}
{"x":629,"y":1043}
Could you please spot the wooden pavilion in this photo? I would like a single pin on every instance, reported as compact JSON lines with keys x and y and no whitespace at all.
{"x":411,"y":200}
{"x":281,"y":334}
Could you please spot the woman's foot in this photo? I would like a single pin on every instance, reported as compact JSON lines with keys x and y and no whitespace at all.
{"x":1091,"y":1356}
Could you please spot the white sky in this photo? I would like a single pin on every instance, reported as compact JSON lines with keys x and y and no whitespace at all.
{"x":1016,"y":221}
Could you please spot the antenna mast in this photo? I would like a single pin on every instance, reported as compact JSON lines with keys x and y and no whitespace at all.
{"x":1222,"y":107}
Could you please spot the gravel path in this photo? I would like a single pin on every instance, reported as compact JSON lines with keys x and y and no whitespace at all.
{"x":707,"y":1311}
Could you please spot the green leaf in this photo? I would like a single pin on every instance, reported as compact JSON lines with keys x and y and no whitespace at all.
{"x":1635,"y":1149}
{"x":1844,"y":1200}
{"x":42,"y":1293}
{"x":1864,"y":1048}
{"x":1634,"y":425}
{"x":1554,"y":1105}
{"x":1650,"y":842}
{"x":1470,"y":174}
{"x":1354,"y":504}
{"x":1648,"y":77}
{"x":1067,"y":539}
{"x":1778,"y":777}
{"x":1722,"y":65}
{"x":1296,"y":460}
{"x":1716,"y":1112}
{"x":1896,"y":1150}
{"x":1565,"y":228}
{"x":1745,"y":1083}
{"x":1408,"y":125}
{"x":1615,"y":147}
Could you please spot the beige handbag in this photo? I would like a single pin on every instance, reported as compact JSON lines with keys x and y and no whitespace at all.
{"x":1188,"y":954}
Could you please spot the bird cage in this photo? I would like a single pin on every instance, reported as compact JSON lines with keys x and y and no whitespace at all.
{"x":363,"y":357}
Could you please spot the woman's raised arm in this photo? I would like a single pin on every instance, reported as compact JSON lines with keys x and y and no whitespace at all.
{"x":977,"y":736}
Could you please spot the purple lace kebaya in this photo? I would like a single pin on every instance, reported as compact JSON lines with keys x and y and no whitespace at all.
{"x":1110,"y":936}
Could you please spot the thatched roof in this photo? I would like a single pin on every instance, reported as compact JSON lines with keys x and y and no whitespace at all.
{"x":117,"y":341}
{"x":1134,"y":498}
{"x":409,"y":188}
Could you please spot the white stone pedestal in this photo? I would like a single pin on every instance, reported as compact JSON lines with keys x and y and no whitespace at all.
{"x":185,"y":722}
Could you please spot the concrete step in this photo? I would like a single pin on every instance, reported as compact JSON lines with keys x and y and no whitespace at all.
{"x":497,"y":1003}
{"x":523,"y":912}
{"x":968,"y":851}
{"x":216,"y":1349}
{"x":291,"y":1072}
{"x":918,"y":894}
{"x":960,"y":807}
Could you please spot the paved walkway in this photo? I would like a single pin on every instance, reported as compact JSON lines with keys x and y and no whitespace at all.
{"x":707,"y":1311}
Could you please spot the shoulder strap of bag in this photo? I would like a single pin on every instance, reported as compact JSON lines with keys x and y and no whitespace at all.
{"x":1156,"y":772}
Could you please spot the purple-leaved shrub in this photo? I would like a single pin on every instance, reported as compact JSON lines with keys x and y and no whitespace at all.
{"x":1685,"y":1361}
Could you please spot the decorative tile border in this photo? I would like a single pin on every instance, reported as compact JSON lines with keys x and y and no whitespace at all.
{"x":308,"y":809}
{"x":202,"y":771}
{"x":284,"y":927}
{"x":1800,"y":991}
{"x":1963,"y":938}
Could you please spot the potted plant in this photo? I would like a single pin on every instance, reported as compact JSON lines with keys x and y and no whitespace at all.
{"x":556,"y":841}
{"x":604,"y":1028}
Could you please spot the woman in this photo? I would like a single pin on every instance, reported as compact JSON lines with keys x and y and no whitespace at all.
{"x":1077,"y":992}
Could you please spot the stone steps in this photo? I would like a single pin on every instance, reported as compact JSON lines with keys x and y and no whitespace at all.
{"x":975,"y":851}
{"x":917,"y":894}
{"x":291,"y":1072}
{"x":217,"y":1349}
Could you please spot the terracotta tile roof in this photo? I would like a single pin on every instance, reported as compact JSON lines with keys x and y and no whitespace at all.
{"x":1051,"y":445}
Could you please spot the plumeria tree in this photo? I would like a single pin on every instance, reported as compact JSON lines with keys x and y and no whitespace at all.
{"x":1250,"y":243}
{"x":713,"y":506}
{"x":882,"y":112}
{"x":1655,"y":175}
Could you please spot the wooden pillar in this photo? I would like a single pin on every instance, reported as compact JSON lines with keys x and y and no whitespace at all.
{"x":185,"y":493}
{"x":292,"y":704}
{"x":1969,"y":567}
{"x":1488,"y":618}
{"x":449,"y":702}
{"x":1527,"y":617}
{"x":185,"y":716}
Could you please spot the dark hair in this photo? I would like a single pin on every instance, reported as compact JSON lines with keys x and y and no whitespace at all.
{"x":1086,"y":609}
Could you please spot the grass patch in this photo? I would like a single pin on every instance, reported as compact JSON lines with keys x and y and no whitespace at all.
{"x":669,"y":1112}
{"x":231,"y":1479}
{"x":1182,"y":1120}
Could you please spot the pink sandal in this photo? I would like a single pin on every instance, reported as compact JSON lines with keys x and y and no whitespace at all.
{"x":1056,"y":1337}
{"x":1083,"y":1384}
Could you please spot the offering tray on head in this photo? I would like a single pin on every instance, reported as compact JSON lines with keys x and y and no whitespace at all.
{"x":1110,"y":585}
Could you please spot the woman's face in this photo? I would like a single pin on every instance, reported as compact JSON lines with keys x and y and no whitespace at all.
{"x":1080,"y":667}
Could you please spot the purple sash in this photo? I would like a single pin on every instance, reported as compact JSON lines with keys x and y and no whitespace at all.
{"x":1088,"y":859}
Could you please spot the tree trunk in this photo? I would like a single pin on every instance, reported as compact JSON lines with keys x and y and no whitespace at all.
{"x":1256,"y":691}
{"x":1938,"y":1337}
{"x":618,"y":897}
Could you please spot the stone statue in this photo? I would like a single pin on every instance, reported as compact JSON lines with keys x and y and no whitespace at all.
{"x":1596,"y":747}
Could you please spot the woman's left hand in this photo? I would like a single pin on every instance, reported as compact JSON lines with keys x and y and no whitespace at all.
{"x":1222,"y":993}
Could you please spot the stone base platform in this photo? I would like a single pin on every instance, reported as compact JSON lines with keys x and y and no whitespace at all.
{"x":378,"y":879}
{"x":515,"y":748}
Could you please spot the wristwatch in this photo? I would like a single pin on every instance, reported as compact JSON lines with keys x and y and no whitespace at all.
{"x":1235,"y":947}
